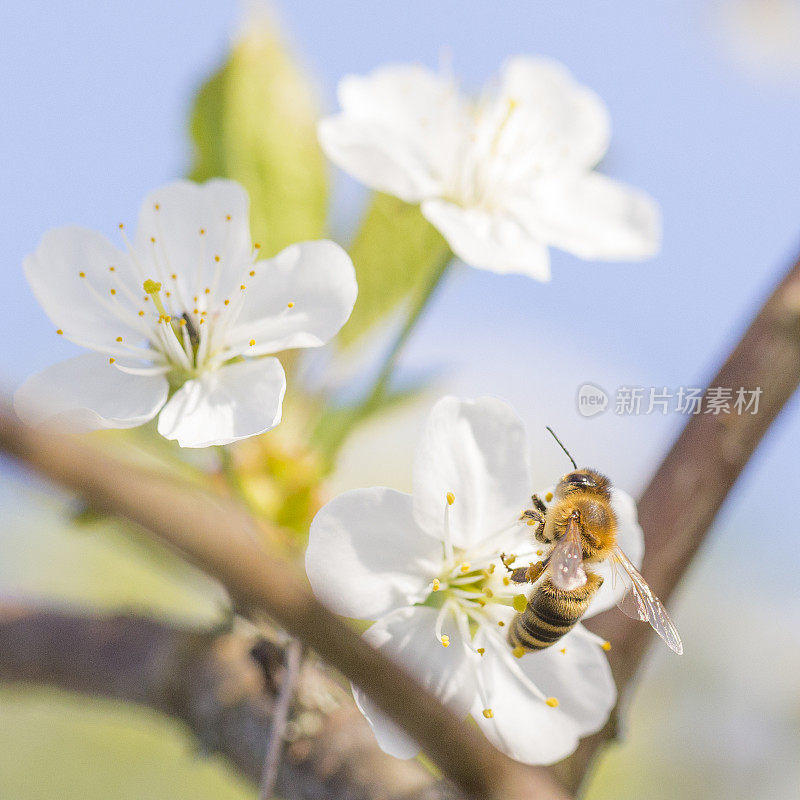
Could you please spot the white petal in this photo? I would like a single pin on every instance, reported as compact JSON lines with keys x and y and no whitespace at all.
{"x":396,"y":129}
{"x":523,"y":725}
{"x":316,"y":278}
{"x":493,"y":241}
{"x":476,"y":449}
{"x":593,"y":217}
{"x":184,"y":209}
{"x":631,"y":539}
{"x":565,"y":123}
{"x":407,"y":636}
{"x":366,"y":555}
{"x":87,"y":393}
{"x":83,"y":307}
{"x":232,"y":403}
{"x":378,"y":157}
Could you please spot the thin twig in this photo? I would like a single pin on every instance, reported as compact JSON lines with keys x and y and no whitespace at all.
{"x":280,"y":716}
{"x":208,"y":681}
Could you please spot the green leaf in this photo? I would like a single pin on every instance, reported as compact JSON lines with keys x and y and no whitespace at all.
{"x":255,"y":121}
{"x":393,"y":252}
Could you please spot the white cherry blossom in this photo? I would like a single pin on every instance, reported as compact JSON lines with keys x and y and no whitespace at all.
{"x":503,"y":177}
{"x":180,"y":320}
{"x":426,"y":567}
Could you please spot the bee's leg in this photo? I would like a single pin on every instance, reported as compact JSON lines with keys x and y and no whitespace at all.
{"x":538,"y":503}
{"x":529,"y":574}
{"x":535,"y":518}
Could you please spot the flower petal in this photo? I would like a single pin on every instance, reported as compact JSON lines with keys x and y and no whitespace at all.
{"x":407,"y":635}
{"x":476,"y":449}
{"x":191,"y":224}
{"x":574,"y":671}
{"x":492,"y":241}
{"x":566,"y":124}
{"x":87,"y":393}
{"x":631,"y":539}
{"x":397,"y":129}
{"x":71,"y":277}
{"x":232,"y":403}
{"x":366,"y":555}
{"x":299,"y":298}
{"x":593,"y":217}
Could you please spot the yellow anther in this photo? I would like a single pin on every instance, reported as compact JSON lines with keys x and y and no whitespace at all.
{"x":168,"y":294}
{"x":121,"y":227}
{"x":203,"y":313}
{"x":488,"y":592}
{"x":151,"y":286}
{"x":252,"y":342}
{"x":606,"y":646}
{"x":518,"y":651}
{"x":506,"y":580}
{"x":436,"y":585}
{"x":539,"y":552}
{"x":252,"y":272}
{"x":548,"y":497}
{"x":445,"y":640}
{"x":111,"y":360}
{"x":207,"y":290}
{"x":113,"y":291}
{"x":60,"y":332}
{"x":520,"y":602}
{"x":228,"y":217}
{"x":167,"y":318}
{"x":195,"y":311}
{"x":488,"y":713}
{"x":146,"y":299}
{"x":112,"y":269}
{"x":153,"y":239}
{"x":465,"y":567}
{"x":257,"y":246}
{"x":501,"y":624}
{"x":451,"y":498}
{"x":216,"y":258}
{"x":141,"y":313}
{"x":242,"y":287}
{"x":481,"y":651}
{"x":174,"y":276}
{"x":563,"y":650}
{"x":157,"y":206}
{"x":491,"y":568}
{"x":82,"y":274}
{"x":202,"y":320}
{"x":552,"y":702}
{"x":227,"y":302}
{"x":119,"y":338}
{"x":202,"y":231}
{"x":290,"y":305}
{"x":182,"y":322}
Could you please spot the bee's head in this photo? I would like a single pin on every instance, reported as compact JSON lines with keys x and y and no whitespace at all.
{"x":582,"y":480}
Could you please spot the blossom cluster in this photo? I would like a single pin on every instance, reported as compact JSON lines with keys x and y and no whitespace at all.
{"x":184,"y":320}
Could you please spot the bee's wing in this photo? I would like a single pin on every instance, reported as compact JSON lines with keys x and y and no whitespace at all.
{"x":639,"y":602}
{"x":566,"y":560}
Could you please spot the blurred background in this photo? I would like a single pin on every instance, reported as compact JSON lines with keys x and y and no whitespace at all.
{"x":705,"y":103}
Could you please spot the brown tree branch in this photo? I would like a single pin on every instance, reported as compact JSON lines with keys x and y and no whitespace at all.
{"x":680,"y":503}
{"x":210,"y":682}
{"x":223,"y":540}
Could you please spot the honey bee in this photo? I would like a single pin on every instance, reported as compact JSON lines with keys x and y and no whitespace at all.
{"x":582,"y":527}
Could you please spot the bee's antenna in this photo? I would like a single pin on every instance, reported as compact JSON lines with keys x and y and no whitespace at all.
{"x":562,"y":446}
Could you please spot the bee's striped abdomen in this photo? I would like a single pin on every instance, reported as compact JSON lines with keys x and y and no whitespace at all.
{"x":551,"y":613}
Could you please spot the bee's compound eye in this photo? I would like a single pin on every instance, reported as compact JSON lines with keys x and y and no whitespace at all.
{"x":578,"y":480}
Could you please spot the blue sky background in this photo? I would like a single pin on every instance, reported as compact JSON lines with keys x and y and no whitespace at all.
{"x":95,"y":99}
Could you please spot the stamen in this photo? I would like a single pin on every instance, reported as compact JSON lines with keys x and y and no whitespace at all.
{"x":552,"y":702}
{"x":481,"y":651}
{"x":436,"y":584}
{"x":606,"y":645}
{"x":488,"y":713}
{"x":563,"y":650}
{"x":548,"y":497}
{"x":518,"y":651}
{"x":60,"y":332}
{"x":520,"y":603}
{"x":465,"y":567}
{"x":290,"y":305}
{"x":451,"y":498}
{"x":445,"y":640}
